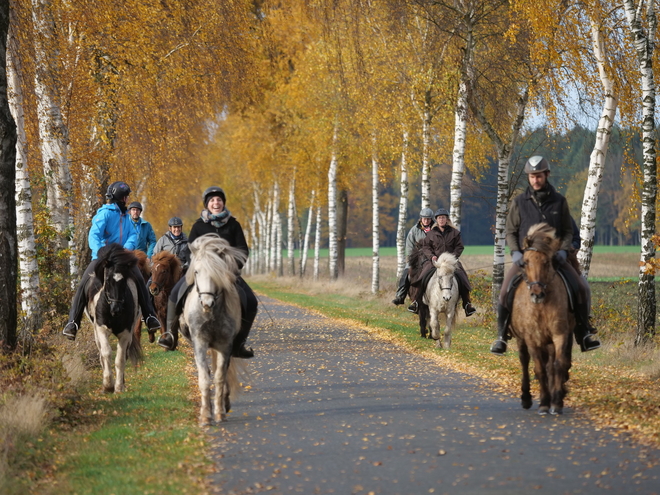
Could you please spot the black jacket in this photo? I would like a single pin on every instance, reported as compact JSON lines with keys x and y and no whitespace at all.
{"x":232,"y":232}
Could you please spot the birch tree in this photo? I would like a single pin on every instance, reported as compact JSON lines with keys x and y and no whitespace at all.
{"x":403,"y":209}
{"x":308,"y":229}
{"x":291,"y":208}
{"x":332,"y":209}
{"x":375,"y":227}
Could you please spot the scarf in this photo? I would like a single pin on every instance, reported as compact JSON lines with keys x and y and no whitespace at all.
{"x":216,"y":220}
{"x":175,"y":238}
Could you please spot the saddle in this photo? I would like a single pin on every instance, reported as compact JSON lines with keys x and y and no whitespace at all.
{"x":572,"y":289}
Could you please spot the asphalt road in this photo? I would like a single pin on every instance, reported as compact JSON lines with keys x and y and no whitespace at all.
{"x":334,"y":409}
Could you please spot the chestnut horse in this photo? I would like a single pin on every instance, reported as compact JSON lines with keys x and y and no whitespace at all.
{"x":145,"y":270}
{"x":165,"y":273}
{"x":542,"y":321}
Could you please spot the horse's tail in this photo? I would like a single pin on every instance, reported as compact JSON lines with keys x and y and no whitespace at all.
{"x":236,"y":374}
{"x":135,"y":352}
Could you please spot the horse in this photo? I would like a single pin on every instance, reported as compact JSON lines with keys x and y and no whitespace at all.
{"x":441,"y":297}
{"x":541,"y":321}
{"x":211,"y":319}
{"x":145,"y":270}
{"x":165,"y":272}
{"x":113,"y":309}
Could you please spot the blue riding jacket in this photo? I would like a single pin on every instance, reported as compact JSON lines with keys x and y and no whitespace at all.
{"x":111,"y":225}
{"x":146,"y":236}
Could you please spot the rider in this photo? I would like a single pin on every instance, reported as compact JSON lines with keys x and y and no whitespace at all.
{"x":442,"y":238}
{"x":542,"y":203}
{"x":146,"y":236}
{"x":215,"y":219}
{"x":416,"y":234}
{"x":175,"y":242}
{"x":110,"y":224}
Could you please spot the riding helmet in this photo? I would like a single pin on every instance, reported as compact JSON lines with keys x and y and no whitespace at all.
{"x":117,"y":191}
{"x":426,"y":213}
{"x":135,"y":204}
{"x":175,"y":222}
{"x":536,"y":164}
{"x":441,"y":211}
{"x":213,"y":191}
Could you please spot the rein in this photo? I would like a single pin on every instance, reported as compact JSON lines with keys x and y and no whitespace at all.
{"x":214,"y":295}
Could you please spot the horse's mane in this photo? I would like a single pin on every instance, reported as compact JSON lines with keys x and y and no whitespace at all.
{"x":173,"y":264}
{"x":541,"y":237}
{"x":214,"y":255}
{"x":114,"y":255}
{"x":143,"y":264}
{"x":446,"y":264}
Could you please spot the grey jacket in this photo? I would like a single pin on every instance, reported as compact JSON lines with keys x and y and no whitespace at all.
{"x":415,"y":235}
{"x":178,"y":247}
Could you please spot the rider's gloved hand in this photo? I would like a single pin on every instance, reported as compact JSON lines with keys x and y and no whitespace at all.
{"x":561,"y":255}
{"x":517,"y":257}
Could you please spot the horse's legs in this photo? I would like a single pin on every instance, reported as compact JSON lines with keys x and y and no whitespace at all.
{"x":434,"y":324}
{"x":105,"y":356}
{"x":221,"y":402}
{"x":562,"y":365}
{"x":137,"y":331}
{"x":423,"y":311}
{"x":523,"y":354}
{"x":120,"y":359}
{"x":450,"y":324}
{"x":204,"y":379}
{"x":540,"y":356}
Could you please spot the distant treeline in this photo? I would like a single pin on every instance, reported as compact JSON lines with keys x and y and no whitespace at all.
{"x":618,"y":204}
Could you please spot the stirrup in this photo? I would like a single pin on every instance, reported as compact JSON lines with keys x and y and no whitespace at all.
{"x":589,"y":343}
{"x":151,"y":327}
{"x":469,"y":309}
{"x":498,"y":347}
{"x":167,"y":341}
{"x":70,"y":330}
{"x":242,"y":352}
{"x":414,"y":308}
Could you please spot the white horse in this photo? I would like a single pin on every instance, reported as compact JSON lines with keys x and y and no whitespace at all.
{"x":211,"y":319}
{"x":441,"y":296}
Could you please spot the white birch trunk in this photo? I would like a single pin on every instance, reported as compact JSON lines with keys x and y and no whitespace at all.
{"x":599,"y":153}
{"x":332,"y":210}
{"x":375,"y":230}
{"x":403,"y":211}
{"x":308,"y":229}
{"x":278,"y":247}
{"x":274,"y":245}
{"x":53,"y":133}
{"x":261,"y":243}
{"x":269,"y":234}
{"x":27,"y":250}
{"x":644,"y":42}
{"x":290,"y":227}
{"x":317,"y":243}
{"x":426,"y":146}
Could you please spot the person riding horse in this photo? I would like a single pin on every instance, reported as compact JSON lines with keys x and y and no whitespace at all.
{"x":542,"y":203}
{"x":175,"y":242}
{"x":442,"y":238}
{"x":416,"y":234}
{"x":111,"y":224}
{"x":215,"y":219}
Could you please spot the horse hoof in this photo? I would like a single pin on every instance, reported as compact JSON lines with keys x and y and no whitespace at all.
{"x":526,"y":404}
{"x":556,"y":410}
{"x":152,"y":337}
{"x":543,"y":410}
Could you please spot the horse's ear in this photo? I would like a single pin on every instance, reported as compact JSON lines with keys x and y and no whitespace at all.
{"x":527,"y":242}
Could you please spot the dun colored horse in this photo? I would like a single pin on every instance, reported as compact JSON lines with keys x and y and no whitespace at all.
{"x":441,"y":297}
{"x":211,"y":319}
{"x":165,"y":273}
{"x":542,"y":322}
{"x":113,"y":310}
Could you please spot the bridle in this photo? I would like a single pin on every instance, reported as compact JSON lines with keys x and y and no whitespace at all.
{"x":214,"y":295}
{"x":451,"y":283}
{"x":536,"y":282}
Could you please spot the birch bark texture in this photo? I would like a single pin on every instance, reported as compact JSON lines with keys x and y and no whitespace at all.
{"x":332,"y":210}
{"x":403,"y":210}
{"x":375,"y":228}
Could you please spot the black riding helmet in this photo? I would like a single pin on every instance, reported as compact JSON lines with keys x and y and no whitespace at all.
{"x":175,"y":222}
{"x":213,"y":191}
{"x":136,"y":204}
{"x":441,"y":211}
{"x":118,"y":191}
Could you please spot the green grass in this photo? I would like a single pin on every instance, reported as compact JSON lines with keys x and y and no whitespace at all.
{"x":142,"y":441}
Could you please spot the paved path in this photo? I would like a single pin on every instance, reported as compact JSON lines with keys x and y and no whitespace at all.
{"x":333,"y":409}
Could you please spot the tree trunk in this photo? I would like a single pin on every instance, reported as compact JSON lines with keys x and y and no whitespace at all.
{"x":427,"y":117}
{"x":375,"y":228}
{"x":8,"y":240}
{"x":53,"y":133}
{"x":278,"y":246}
{"x":27,"y":250}
{"x":599,"y":153}
{"x":308,"y":229}
{"x":644,"y":42}
{"x":332,"y":210}
{"x":403,"y":211}
{"x":342,"y":224}
{"x":317,"y":243}
{"x":290,"y":228}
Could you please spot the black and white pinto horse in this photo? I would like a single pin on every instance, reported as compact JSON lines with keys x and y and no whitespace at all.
{"x":211,"y":319}
{"x":113,"y":309}
{"x":441,"y":297}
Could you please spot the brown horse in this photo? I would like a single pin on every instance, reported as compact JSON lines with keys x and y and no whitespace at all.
{"x":542,"y":322}
{"x":145,"y":270}
{"x":165,"y":272}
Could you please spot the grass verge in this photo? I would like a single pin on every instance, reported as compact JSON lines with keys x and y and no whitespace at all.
{"x":609,"y":385}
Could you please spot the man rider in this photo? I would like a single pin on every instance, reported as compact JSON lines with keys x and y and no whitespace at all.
{"x":146,"y":235}
{"x":416,"y":234}
{"x":542,"y":203}
{"x":175,"y":242}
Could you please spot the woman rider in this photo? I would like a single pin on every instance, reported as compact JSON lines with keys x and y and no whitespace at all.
{"x":112,"y":223}
{"x":215,"y":219}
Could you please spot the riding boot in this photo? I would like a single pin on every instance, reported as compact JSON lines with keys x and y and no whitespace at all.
{"x":584,"y":332}
{"x":144,"y":300}
{"x":78,"y":304}
{"x":170,"y":338}
{"x":414,"y":308}
{"x":499,"y":346}
{"x":402,"y":290}
{"x":239,"y":350}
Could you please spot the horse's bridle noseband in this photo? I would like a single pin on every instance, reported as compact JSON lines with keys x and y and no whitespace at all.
{"x":536,"y":282}
{"x":214,"y":295}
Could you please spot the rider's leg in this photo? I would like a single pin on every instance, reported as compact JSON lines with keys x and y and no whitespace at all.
{"x":78,"y":303}
{"x":249,"y":306}
{"x":584,"y":331}
{"x":464,"y":289}
{"x":499,"y":346}
{"x":402,"y":290}
{"x":144,"y":299}
{"x":170,"y":338}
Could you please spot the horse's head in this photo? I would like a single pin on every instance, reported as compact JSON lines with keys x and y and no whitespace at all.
{"x":539,"y":245}
{"x":165,"y":272}
{"x":114,"y":267}
{"x":446,"y":266}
